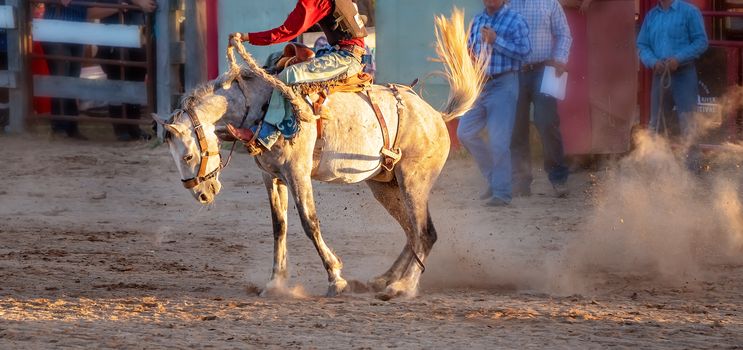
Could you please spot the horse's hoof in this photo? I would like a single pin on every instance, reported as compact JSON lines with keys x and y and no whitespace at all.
{"x":378,"y":284}
{"x":337,"y":287}
{"x":394,"y":290}
{"x":274,"y":288}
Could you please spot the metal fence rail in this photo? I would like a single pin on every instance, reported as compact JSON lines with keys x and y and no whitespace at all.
{"x":165,"y":60}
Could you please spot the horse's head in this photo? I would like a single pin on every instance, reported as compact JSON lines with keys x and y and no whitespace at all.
{"x":191,"y":135}
{"x":195,"y":147}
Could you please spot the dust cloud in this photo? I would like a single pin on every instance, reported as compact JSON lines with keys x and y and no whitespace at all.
{"x":647,"y":218}
{"x":657,"y":220}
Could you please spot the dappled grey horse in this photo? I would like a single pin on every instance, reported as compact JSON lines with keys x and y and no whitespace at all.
{"x":348,"y":151}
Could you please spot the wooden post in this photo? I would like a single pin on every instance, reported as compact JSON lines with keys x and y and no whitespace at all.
{"x":195,"y":41}
{"x":167,"y":71}
{"x":18,"y":49}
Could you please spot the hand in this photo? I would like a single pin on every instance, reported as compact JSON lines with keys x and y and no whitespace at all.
{"x":560,"y":68}
{"x":659,"y":67}
{"x":584,"y":5}
{"x":673,"y":64}
{"x":488,"y":35}
{"x":146,"y":5}
{"x":234,"y":35}
{"x":66,"y":2}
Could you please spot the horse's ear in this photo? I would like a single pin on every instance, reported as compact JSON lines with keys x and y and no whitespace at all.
{"x":157,"y":118}
{"x":173,"y":129}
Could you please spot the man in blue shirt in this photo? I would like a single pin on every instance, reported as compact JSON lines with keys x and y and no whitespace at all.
{"x":503,"y":35}
{"x":550,"y":39}
{"x":671,"y":38}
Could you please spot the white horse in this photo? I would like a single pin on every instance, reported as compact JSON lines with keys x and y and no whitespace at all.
{"x":347,"y":152}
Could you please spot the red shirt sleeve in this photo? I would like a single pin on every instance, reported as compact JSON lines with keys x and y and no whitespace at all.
{"x":304,"y":16}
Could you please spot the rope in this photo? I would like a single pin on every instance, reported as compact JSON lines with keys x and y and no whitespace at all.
{"x":301,"y":110}
{"x":665,"y":83}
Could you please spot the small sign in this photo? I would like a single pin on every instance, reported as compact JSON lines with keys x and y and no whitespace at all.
{"x":552,"y":84}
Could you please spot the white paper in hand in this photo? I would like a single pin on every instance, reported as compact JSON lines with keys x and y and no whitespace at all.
{"x":552,"y":84}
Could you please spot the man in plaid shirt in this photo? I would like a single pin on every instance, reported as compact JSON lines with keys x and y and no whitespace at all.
{"x":502,"y":35}
{"x":550,"y":38}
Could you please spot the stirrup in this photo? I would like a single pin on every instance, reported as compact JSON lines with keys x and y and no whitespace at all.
{"x":254,"y":149}
{"x":390,"y":158}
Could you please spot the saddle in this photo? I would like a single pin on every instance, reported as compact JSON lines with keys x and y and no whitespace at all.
{"x":294,"y":53}
{"x":317,"y":93}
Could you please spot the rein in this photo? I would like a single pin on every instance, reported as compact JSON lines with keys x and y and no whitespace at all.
{"x":234,"y":143}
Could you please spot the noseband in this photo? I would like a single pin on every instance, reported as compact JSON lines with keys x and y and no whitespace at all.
{"x":201,"y":176}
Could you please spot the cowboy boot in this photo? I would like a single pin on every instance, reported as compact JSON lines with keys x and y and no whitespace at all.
{"x":245,"y":135}
{"x":242,"y":134}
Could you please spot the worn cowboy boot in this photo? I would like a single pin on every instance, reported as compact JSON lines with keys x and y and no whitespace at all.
{"x":245,"y":136}
{"x":242,"y":134}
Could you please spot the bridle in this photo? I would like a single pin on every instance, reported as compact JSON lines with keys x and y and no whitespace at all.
{"x":201,"y":175}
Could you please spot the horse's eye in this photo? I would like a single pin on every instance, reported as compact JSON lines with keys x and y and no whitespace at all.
{"x":188,"y":158}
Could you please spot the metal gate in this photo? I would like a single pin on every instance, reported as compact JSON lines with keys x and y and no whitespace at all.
{"x":168,"y":73}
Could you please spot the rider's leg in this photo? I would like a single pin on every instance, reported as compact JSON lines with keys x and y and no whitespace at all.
{"x":336,"y":65}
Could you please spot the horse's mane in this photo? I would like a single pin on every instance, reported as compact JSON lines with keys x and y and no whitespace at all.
{"x":193,"y":97}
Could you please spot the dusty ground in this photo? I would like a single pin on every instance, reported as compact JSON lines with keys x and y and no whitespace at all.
{"x":100,"y":247}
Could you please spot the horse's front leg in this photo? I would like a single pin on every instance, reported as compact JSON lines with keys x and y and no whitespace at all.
{"x":277,"y":196}
{"x":301,"y":186}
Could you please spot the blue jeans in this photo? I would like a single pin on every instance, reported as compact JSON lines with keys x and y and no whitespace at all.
{"x":494,"y":111}
{"x":683,"y":93}
{"x":548,"y":124}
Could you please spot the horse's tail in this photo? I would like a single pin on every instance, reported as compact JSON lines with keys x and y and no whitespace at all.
{"x":466,"y":75}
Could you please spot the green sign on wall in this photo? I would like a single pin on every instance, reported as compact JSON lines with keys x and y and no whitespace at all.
{"x":405,"y":36}
{"x":251,"y":16}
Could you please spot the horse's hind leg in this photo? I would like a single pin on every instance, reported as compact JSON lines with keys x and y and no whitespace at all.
{"x":277,"y":196}
{"x":302,"y":190}
{"x":416,"y":182}
{"x":388,"y":194}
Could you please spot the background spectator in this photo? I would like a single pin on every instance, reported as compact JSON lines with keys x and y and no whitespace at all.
{"x":4,"y":111}
{"x":65,"y":106}
{"x":125,"y":132}
{"x":672,"y":37}
{"x":502,"y":35}
{"x":550,"y":45}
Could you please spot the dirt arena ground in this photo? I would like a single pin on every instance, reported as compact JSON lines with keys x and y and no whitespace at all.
{"x":101,"y":247}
